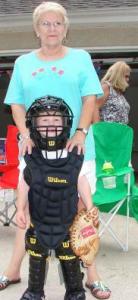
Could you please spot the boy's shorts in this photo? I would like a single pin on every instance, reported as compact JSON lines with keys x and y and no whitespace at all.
{"x":89,"y":170}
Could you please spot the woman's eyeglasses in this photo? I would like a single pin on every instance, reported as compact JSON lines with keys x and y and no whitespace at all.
{"x":48,"y":24}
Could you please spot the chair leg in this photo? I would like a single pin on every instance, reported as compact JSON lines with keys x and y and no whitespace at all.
{"x":7,"y":218}
{"x":107,"y":226}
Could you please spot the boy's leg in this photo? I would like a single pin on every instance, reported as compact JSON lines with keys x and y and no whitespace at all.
{"x":35,"y":290}
{"x":73,"y":280}
{"x":37,"y":266}
{"x":72,"y":275}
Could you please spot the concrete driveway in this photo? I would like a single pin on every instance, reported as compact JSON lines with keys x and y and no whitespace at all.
{"x":118,"y":269}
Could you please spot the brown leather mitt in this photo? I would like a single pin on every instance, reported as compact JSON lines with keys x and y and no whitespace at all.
{"x":84,"y":235}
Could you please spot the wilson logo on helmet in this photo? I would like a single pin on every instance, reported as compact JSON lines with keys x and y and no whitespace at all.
{"x":51,"y":143}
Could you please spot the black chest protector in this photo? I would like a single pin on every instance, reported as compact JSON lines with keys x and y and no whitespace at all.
{"x":53,"y":195}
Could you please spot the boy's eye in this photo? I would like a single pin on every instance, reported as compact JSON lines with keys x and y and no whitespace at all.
{"x":45,"y":120}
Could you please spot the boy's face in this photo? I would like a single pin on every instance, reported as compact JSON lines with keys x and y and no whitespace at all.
{"x":50,"y":124}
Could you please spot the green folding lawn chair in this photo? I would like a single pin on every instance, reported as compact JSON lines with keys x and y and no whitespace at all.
{"x":115,"y":177}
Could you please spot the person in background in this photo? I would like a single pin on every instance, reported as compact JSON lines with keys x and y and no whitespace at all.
{"x":113,"y":106}
{"x":55,"y":69}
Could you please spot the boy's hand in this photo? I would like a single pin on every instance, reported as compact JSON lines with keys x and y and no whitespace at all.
{"x":93,"y":213}
{"x":84,"y":237}
{"x":21,"y":219}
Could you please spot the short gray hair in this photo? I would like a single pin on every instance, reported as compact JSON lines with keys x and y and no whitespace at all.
{"x":49,"y":7}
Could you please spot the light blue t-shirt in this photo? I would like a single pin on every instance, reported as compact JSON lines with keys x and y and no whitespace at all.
{"x":70,"y":78}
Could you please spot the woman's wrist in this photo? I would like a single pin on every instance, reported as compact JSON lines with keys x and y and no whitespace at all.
{"x":24,"y":137}
{"x":80,"y":136}
{"x":82,"y":130}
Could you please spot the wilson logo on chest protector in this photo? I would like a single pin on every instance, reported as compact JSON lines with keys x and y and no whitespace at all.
{"x":57,"y":180}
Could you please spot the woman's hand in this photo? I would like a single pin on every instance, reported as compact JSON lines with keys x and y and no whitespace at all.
{"x":21,"y":219}
{"x":77,"y":140}
{"x":26,"y":145}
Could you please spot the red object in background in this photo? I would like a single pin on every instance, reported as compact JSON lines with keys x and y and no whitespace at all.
{"x":10,"y":172}
{"x":11,"y":146}
{"x":2,"y":151}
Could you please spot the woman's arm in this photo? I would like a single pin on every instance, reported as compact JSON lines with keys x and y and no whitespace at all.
{"x":19,"y":113}
{"x":101,"y":101}
{"x":96,"y":116}
{"x":86,"y":118}
{"x":88,"y":107}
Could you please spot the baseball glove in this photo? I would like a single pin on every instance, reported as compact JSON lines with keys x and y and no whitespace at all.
{"x":84,"y":235}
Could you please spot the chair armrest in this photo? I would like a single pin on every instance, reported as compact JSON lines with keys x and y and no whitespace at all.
{"x":7,"y":167}
{"x":120,"y":172}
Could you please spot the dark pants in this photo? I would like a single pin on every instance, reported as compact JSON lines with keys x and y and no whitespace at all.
{"x":70,"y":266}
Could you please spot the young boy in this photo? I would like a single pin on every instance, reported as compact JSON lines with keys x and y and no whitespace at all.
{"x":50,"y":184}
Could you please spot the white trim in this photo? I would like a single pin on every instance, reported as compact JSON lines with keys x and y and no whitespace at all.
{"x":112,"y":49}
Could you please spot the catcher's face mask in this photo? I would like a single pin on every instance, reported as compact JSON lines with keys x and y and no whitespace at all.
{"x":49,"y":124}
{"x":49,"y":120}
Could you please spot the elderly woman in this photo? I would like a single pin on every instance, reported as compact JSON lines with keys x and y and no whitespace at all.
{"x":64,"y":72}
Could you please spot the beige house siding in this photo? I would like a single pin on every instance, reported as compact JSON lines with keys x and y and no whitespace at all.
{"x":97,"y":28}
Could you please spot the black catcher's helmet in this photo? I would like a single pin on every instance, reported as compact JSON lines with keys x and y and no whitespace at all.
{"x":42,"y":107}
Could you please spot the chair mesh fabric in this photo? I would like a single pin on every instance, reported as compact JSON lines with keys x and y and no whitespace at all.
{"x":113,"y":143}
